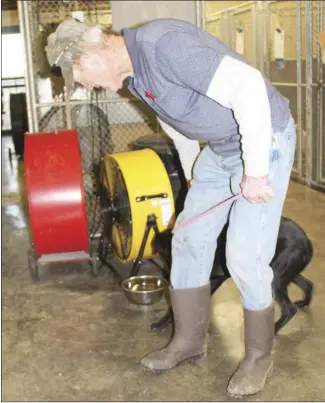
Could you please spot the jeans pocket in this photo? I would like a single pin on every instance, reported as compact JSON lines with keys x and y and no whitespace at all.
{"x":274,"y":158}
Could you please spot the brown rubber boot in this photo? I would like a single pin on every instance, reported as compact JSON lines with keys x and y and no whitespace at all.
{"x":191,"y":308}
{"x":257,"y":364}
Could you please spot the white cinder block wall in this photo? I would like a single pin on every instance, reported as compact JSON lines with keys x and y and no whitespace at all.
{"x":132,"y":13}
{"x":126,"y":14}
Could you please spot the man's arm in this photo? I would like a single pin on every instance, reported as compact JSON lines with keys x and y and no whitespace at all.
{"x":187,"y":149}
{"x":228,"y":81}
{"x":241,"y":87}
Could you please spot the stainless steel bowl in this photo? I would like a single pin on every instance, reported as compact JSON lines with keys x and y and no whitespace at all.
{"x":144,"y":290}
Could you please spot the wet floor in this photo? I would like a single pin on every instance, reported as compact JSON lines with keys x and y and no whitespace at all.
{"x":73,"y":337}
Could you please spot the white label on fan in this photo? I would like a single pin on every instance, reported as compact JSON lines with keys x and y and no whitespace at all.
{"x":166,"y":213}
{"x":160,"y":202}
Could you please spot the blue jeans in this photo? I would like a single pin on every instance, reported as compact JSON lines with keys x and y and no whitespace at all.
{"x":253,"y":228}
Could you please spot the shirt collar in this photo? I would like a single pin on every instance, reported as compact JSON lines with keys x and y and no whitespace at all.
{"x":129,"y":36}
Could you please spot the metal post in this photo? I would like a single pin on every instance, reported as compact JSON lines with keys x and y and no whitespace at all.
{"x":320,"y":107}
{"x":231,"y":30}
{"x":268,"y":39}
{"x":33,"y":120}
{"x":23,"y":17}
{"x":203,"y":16}
{"x":299,"y":100}
{"x":67,"y":109}
{"x":27,"y":83}
{"x":309,"y":91}
{"x":260,"y":36}
{"x":254,"y":33}
{"x":198,"y":13}
{"x":225,"y":27}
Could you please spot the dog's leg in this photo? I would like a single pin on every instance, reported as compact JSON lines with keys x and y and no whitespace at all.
{"x":284,"y":267}
{"x":288,"y":309}
{"x":216,"y":283}
{"x":307,"y":286}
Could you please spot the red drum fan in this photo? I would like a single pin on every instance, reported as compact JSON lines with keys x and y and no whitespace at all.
{"x":56,"y":199}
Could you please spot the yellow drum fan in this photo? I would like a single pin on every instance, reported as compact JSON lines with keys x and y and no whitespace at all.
{"x":136,"y":202}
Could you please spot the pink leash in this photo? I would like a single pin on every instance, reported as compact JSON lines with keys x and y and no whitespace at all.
{"x":210,"y":210}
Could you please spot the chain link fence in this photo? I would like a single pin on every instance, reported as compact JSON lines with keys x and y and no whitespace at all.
{"x":299,"y":76}
{"x":106,"y":122}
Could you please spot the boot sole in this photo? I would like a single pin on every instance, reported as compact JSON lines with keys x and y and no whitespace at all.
{"x":189,"y":360}
{"x":269,"y":373}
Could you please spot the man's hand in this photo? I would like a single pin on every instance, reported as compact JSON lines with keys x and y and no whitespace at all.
{"x":256,"y":190}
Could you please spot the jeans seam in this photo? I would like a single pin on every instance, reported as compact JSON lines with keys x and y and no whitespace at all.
{"x":202,"y":253}
{"x":209,"y":226}
{"x":259,"y":254}
{"x":291,"y":149}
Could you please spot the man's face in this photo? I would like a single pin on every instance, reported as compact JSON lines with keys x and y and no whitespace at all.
{"x":98,"y":70}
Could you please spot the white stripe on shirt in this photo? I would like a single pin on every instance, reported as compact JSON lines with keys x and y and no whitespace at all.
{"x":187,"y":149}
{"x":241,"y":87}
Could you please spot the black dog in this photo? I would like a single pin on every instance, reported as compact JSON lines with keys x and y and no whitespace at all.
{"x":294,"y":252}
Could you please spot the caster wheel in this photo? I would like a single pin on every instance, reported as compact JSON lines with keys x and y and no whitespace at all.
{"x":95,"y":265}
{"x":10,"y":155}
{"x":33,"y":265}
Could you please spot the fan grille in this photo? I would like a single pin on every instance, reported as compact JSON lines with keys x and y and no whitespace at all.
{"x":117,"y":214}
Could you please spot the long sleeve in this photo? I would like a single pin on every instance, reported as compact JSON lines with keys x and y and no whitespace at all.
{"x":241,"y":87}
{"x":187,"y":149}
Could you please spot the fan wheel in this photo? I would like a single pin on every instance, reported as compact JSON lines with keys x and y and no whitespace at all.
{"x":135,"y":185}
{"x":116,"y":211}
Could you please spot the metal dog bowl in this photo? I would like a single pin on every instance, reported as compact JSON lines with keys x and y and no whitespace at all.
{"x":144,"y":290}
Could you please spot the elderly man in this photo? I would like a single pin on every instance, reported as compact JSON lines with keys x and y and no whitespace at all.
{"x":201,"y":90}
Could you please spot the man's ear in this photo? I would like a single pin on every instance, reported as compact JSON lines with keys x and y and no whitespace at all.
{"x":90,"y":60}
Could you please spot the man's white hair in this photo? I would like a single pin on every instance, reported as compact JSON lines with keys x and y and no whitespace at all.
{"x":70,"y":40}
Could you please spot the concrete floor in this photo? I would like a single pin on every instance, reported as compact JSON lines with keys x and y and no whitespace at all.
{"x":76,"y":338}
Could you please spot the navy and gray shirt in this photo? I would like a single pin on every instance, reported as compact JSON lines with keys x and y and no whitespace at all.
{"x":201,"y":90}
